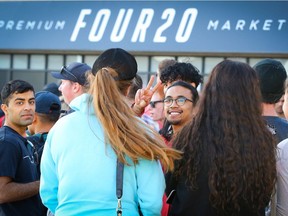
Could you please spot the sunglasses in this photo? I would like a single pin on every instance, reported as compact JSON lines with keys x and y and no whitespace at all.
{"x":66,"y":73}
{"x":153,"y":103}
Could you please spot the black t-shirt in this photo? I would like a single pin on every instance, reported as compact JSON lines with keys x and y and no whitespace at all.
{"x":18,"y":163}
{"x":196,"y":202}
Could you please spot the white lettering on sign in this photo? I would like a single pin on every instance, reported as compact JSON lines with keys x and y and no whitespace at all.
{"x":281,"y":22}
{"x":119,"y":30}
{"x":80,"y":23}
{"x":143,"y":23}
{"x":167,"y":15}
{"x":186,"y":25}
{"x":267,"y":25}
{"x":252,"y":25}
{"x":139,"y":33}
{"x":99,"y":25}
{"x":32,"y":25}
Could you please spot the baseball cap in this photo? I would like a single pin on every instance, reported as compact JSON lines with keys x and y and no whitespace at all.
{"x":272,"y":76}
{"x":53,"y":88}
{"x":47,"y":102}
{"x":118,"y":59}
{"x":74,"y":72}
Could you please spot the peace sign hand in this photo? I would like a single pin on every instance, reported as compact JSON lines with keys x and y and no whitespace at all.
{"x":143,"y":96}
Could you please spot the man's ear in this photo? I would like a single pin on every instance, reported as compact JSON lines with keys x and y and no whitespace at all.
{"x":35,"y":118}
{"x":4,"y":108}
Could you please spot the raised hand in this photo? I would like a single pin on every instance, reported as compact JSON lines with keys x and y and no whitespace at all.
{"x":143,"y":96}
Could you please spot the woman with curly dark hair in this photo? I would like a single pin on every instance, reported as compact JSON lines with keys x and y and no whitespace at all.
{"x":228,"y":166}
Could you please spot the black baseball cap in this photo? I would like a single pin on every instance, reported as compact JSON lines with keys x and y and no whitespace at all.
{"x":118,"y":59}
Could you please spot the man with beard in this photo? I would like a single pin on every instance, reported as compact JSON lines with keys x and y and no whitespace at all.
{"x":180,"y":99}
{"x":180,"y":71}
{"x":19,"y":186}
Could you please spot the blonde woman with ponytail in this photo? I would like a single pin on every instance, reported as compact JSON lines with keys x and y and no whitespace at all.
{"x":79,"y":159}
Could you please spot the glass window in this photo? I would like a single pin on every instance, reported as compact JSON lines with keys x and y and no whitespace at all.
{"x":238,"y":59}
{"x":73,"y":58}
{"x":5,"y":61}
{"x":51,"y":79}
{"x":4,"y":77}
{"x":210,"y":63}
{"x":144,"y":77}
{"x":90,"y":59}
{"x":253,"y":61}
{"x":20,"y":61}
{"x":196,"y":61}
{"x":143,"y":63}
{"x":55,"y":62}
{"x":37,"y":62}
{"x":34,"y":78}
{"x":285,"y":63}
{"x":156,"y":60}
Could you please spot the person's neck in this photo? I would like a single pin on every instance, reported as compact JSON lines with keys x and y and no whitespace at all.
{"x":268,"y":110}
{"x":176,"y":129}
{"x":39,"y":129}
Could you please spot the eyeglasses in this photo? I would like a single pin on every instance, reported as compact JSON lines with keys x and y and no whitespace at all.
{"x":153,"y":103}
{"x":65,"y":72}
{"x":180,"y":101}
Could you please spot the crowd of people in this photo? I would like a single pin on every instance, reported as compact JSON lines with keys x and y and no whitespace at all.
{"x":215,"y":152}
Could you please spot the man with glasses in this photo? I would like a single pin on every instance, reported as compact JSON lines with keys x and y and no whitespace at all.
{"x":179,"y":71}
{"x":180,"y":99}
{"x":73,"y":81}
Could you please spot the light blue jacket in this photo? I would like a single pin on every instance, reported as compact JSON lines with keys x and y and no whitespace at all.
{"x":78,"y":171}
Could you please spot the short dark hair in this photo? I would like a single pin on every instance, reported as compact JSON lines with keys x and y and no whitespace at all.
{"x":14,"y":86}
{"x":181,"y":71}
{"x":52,"y":117}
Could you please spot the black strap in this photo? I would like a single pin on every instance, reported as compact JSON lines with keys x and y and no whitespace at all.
{"x":119,"y":186}
{"x":119,"y":179}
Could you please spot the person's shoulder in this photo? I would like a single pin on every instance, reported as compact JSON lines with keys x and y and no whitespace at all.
{"x":35,"y":139}
{"x":275,"y":120}
{"x":283,"y":120}
{"x":7,"y":135}
{"x":282,"y":151}
{"x":67,"y":122}
{"x":283,"y":144}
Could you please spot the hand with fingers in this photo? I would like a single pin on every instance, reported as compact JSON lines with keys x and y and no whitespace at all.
{"x":143,"y":96}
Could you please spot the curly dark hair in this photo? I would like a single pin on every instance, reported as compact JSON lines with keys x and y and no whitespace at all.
{"x":181,"y":71}
{"x":228,"y":138}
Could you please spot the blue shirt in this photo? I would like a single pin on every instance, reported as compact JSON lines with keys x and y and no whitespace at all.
{"x":78,"y":171}
{"x":17,"y":162}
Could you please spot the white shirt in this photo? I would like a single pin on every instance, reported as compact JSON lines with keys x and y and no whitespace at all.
{"x":282,"y":179}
